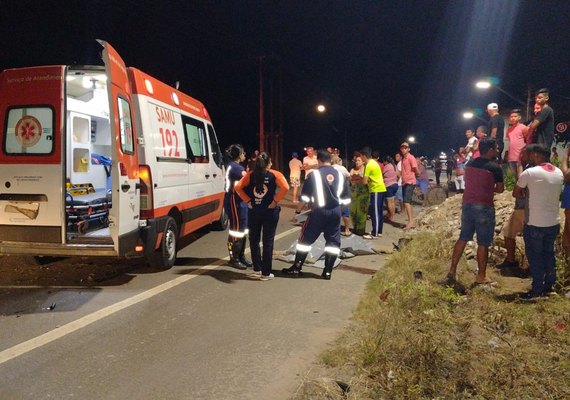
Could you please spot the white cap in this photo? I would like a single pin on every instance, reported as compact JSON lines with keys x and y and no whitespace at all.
{"x":492,"y":106}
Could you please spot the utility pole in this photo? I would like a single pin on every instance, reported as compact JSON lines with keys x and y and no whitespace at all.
{"x":261,"y":115}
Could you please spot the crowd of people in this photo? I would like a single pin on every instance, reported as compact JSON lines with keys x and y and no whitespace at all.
{"x":537,"y":193}
{"x":342,"y":199}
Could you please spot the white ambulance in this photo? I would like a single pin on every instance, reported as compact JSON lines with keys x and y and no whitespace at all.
{"x":104,"y":161}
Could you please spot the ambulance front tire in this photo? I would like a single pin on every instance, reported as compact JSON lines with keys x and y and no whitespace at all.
{"x":165,"y":256}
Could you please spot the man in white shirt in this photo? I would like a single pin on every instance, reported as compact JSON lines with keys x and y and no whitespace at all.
{"x":544,"y":183}
{"x":310,"y":161}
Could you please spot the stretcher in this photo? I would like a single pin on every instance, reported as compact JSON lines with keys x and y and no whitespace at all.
{"x":87,"y":210}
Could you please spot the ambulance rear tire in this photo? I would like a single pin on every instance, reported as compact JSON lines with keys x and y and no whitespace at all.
{"x":223,"y":223}
{"x":164,"y":257}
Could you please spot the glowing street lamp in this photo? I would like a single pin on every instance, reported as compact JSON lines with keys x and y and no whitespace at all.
{"x":483,"y":85}
{"x":492,"y":82}
{"x":471,"y":115}
{"x":411,"y":139}
{"x":321,"y":108}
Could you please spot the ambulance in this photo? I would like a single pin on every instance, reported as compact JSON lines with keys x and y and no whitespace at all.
{"x":104,"y":161}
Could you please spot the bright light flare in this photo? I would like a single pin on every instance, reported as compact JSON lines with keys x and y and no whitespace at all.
{"x":483,"y":84}
{"x":321,"y":108}
{"x":411,"y":139}
{"x":468,"y":115}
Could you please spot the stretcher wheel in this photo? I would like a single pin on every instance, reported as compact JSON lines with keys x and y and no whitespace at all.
{"x":82,"y":226}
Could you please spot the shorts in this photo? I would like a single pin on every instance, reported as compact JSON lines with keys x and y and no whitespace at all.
{"x":391,"y":191}
{"x":295,"y":181}
{"x":514,"y":226}
{"x":408,"y":191}
{"x":424,"y":185}
{"x":344,"y":211}
{"x":479,"y":219}
{"x":399,"y":194}
{"x":565,"y":197}
{"x":460,"y":182}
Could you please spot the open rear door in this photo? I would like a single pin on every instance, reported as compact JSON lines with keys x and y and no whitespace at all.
{"x":124,"y":215}
{"x":31,"y":172}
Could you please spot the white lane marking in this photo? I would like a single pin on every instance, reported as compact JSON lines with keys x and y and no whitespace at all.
{"x":48,"y":337}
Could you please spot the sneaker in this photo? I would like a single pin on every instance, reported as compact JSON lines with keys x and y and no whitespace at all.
{"x":368,"y":236}
{"x":255,"y":273}
{"x":266,"y":277}
{"x":326,"y":276}
{"x":508,"y":264}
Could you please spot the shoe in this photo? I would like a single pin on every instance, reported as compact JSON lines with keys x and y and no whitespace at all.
{"x":266,"y":277}
{"x":236,"y":264}
{"x":292,"y":270}
{"x":326,"y":276}
{"x":245,"y":261}
{"x":370,"y":237}
{"x":530,"y":295}
{"x":346,"y":233}
{"x":508,"y":264}
{"x":256,"y":273}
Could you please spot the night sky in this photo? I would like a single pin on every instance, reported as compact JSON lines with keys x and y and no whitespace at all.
{"x":385,"y":69}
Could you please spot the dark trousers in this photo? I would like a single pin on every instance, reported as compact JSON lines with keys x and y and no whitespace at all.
{"x":262,"y":222}
{"x":376,"y":212}
{"x":437,"y":176}
{"x":322,"y":220}
{"x":237,"y":213}
{"x":539,"y":248}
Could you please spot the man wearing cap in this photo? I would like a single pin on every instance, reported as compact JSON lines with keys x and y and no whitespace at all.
{"x":410,"y":172}
{"x":496,"y":128}
{"x":295,"y":166}
{"x":541,"y":129}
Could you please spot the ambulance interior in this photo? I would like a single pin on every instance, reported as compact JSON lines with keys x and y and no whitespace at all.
{"x":88,"y":155}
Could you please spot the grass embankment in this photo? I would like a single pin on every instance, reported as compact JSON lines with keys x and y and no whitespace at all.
{"x":416,"y":338}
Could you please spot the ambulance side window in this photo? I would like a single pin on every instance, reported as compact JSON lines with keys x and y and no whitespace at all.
{"x":216,"y":153}
{"x":29,"y":130}
{"x":196,"y":141}
{"x":126,"y":126}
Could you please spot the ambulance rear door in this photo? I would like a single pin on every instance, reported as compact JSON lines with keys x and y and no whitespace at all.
{"x":31,"y":168}
{"x":125,"y":211}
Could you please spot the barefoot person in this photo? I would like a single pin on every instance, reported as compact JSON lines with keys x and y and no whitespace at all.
{"x":483,"y":178}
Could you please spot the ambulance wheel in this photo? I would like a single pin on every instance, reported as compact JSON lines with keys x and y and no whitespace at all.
{"x":222,"y":223}
{"x":165,"y":256}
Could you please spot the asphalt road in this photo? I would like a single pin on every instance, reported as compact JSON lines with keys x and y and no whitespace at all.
{"x":201,"y":330}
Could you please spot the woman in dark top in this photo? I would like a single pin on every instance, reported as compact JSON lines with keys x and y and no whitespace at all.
{"x":262,"y":189}
{"x":235,"y":208}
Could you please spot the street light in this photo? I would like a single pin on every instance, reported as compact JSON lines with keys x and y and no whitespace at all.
{"x":321,"y":109}
{"x":492,"y":82}
{"x":412,"y":140}
{"x":471,"y":115}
